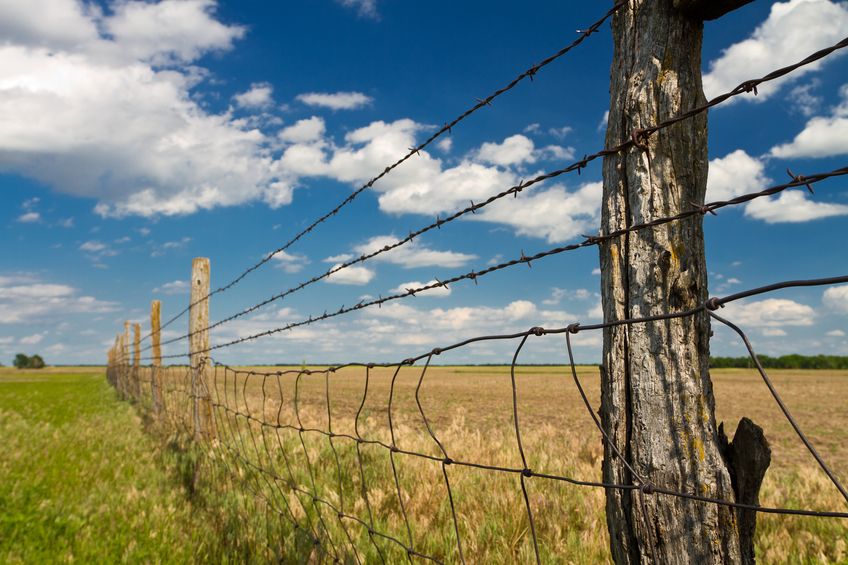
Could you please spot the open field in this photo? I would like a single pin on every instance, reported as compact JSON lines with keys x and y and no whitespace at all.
{"x":469,"y":410}
{"x":83,"y":479}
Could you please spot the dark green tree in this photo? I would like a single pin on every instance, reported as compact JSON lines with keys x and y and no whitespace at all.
{"x":21,"y":361}
{"x":36,"y":362}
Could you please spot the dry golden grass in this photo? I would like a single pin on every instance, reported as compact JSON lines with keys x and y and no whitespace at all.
{"x":470,"y":411}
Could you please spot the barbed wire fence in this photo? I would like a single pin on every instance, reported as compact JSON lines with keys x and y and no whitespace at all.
{"x":348,"y":485}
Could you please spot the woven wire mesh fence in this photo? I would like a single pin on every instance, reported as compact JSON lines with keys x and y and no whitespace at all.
{"x":353,"y":463}
{"x":375,"y":462}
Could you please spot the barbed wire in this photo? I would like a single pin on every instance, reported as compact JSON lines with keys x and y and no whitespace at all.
{"x":446,"y":128}
{"x":637,"y":138}
{"x":588,"y":240}
{"x":255,"y":461}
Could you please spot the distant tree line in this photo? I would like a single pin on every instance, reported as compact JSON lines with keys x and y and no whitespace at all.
{"x":23,"y":361}
{"x":793,"y":361}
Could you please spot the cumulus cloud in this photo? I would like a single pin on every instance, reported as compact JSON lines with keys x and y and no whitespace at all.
{"x":412,"y":254}
{"x":783,"y":38}
{"x":769,"y":313}
{"x":303,"y":131}
{"x":354,"y":275}
{"x":29,"y":217}
{"x":101,"y":106}
{"x":738,"y":173}
{"x":835,"y":299}
{"x":822,"y":136}
{"x":290,"y":262}
{"x":792,"y":206}
{"x":735,"y":174}
{"x":513,"y":150}
{"x":32,"y":339}
{"x":335,"y":100}
{"x":555,"y":214}
{"x":173,"y":288}
{"x":24,"y":299}
{"x":260,"y":95}
{"x":436,"y":291}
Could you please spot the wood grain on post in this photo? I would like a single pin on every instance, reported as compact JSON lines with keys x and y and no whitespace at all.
{"x":156,"y":373}
{"x":199,"y":346}
{"x":657,"y":404}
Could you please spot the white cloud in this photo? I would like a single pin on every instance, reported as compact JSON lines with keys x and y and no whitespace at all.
{"x":101,"y":107}
{"x":342,"y":258}
{"x":514,"y":150}
{"x":822,"y":136}
{"x":769,"y":313}
{"x":31,"y":339}
{"x":602,"y":125}
{"x":835,"y":299}
{"x":162,"y":249}
{"x":260,"y":95}
{"x":436,"y":291}
{"x":303,"y":131}
{"x":773,"y":332}
{"x":291,"y":262}
{"x":783,"y":38}
{"x":560,"y":133}
{"x":29,"y":217}
{"x":803,"y":99}
{"x":835,"y":333}
{"x":792,"y":206}
{"x":412,"y":254}
{"x":445,"y":144}
{"x":365,"y":8}
{"x":555,"y":214}
{"x":170,"y":30}
{"x":335,"y":100}
{"x":25,"y":299}
{"x":735,"y":174}
{"x":354,"y":275}
{"x":173,"y":288}
{"x":93,"y":247}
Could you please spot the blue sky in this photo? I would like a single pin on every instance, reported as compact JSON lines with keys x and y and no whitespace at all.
{"x":135,"y":136}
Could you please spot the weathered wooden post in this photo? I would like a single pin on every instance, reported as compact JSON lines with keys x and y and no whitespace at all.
{"x":199,"y":348}
{"x":125,"y":358}
{"x":156,"y":372}
{"x":657,"y":403}
{"x":136,"y":370}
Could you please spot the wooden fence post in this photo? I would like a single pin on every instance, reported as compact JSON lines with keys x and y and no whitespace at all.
{"x":156,"y":374}
{"x":136,"y":372}
{"x":125,"y":360}
{"x":199,"y":347}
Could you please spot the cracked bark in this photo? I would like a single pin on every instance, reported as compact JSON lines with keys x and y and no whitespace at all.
{"x":657,"y":403}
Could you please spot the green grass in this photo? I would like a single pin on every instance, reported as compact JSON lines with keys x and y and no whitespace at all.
{"x":81,"y":481}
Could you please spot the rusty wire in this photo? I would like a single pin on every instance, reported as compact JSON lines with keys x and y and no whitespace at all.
{"x":446,"y":128}
{"x":589,"y":240}
{"x":244,"y":437}
{"x":637,"y":138}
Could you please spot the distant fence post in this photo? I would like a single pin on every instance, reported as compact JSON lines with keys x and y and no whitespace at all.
{"x":125,"y":360}
{"x":156,"y":373}
{"x":136,"y":372}
{"x":199,"y":347}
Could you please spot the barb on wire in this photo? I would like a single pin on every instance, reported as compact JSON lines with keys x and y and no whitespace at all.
{"x":638,"y":138}
{"x":588,"y":241}
{"x":446,"y":128}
